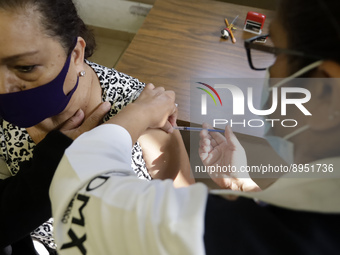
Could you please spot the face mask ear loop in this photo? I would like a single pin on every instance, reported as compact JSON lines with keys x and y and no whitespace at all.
{"x":298,"y":73}
{"x":297,"y":131}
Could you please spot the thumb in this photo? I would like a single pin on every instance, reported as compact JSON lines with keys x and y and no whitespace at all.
{"x":95,"y":118}
{"x":74,"y":121}
{"x":168,"y":127}
{"x":230,"y":136}
{"x":76,"y":125}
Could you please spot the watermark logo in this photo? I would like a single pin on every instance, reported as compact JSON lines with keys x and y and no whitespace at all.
{"x":239,"y":99}
{"x":264,"y":114}
{"x":247,"y":104}
{"x":204,"y":97}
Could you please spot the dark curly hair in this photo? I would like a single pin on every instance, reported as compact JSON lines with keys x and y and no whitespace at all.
{"x":313,"y":27}
{"x":60,"y":19}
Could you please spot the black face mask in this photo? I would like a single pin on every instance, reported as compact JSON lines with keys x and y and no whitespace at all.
{"x":30,"y":107}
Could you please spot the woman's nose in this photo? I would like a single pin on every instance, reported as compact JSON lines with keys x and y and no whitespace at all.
{"x":9,"y":82}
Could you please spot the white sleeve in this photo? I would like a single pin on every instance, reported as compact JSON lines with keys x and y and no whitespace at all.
{"x":101,"y":207}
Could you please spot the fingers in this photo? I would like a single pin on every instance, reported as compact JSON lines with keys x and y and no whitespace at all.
{"x":204,"y":133}
{"x":204,"y":154}
{"x":74,"y":121}
{"x":159,"y":90}
{"x":158,"y":107}
{"x":219,"y":138}
{"x":168,"y":127}
{"x":173,"y":117}
{"x":96,"y":117}
{"x":230,"y":136}
{"x":76,"y":125}
{"x":149,"y":86}
{"x":150,"y":93}
{"x":205,"y":145}
{"x":172,"y":95}
{"x":171,"y":122}
{"x":207,"y":126}
{"x":205,"y":149}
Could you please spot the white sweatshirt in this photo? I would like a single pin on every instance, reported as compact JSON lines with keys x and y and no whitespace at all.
{"x":101,"y":207}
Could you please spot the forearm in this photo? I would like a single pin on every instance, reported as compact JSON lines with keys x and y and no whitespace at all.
{"x":166,"y":157}
{"x":24,"y":198}
{"x":132,"y":119}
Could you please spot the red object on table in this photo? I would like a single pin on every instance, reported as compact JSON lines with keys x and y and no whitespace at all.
{"x":254,"y":22}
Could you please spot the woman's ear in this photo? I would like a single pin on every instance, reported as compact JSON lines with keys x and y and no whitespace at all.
{"x":329,"y":69}
{"x":325,"y":103}
{"x":78,"y":54}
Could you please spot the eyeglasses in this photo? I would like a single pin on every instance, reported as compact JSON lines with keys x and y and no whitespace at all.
{"x":262,"y":54}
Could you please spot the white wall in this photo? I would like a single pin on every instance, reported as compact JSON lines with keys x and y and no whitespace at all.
{"x":113,"y":14}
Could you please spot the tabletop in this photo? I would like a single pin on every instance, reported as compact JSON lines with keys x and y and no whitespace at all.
{"x":181,"y":39}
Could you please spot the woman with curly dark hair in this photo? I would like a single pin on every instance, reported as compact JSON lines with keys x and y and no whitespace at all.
{"x":46,"y":79}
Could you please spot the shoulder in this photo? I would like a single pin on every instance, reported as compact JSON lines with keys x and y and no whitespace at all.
{"x":118,"y":88}
{"x":109,"y":76}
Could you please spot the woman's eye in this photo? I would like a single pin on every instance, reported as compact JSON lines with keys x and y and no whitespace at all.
{"x":25,"y":69}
